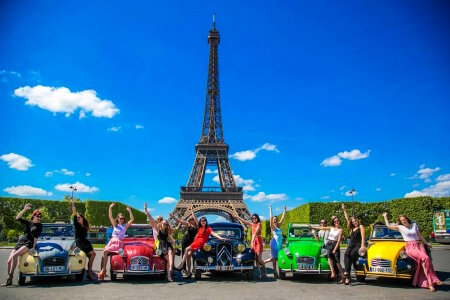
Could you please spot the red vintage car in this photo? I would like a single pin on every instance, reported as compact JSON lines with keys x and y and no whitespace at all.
{"x":138,"y":256}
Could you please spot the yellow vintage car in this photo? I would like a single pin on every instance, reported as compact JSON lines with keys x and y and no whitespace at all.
{"x":55,"y":255}
{"x":385,"y":256}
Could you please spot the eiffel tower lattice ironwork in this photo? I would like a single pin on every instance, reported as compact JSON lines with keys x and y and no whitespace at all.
{"x":226,"y":200}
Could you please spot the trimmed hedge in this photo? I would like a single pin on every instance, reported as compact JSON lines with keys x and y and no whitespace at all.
{"x":53,"y":210}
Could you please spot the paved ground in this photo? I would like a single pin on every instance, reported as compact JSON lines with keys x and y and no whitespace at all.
{"x":226,"y":286}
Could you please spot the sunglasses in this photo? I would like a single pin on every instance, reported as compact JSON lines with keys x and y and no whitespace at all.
{"x":255,"y":218}
{"x":323,"y":222}
{"x":121,"y":218}
{"x":202,"y":220}
{"x":38,"y":216}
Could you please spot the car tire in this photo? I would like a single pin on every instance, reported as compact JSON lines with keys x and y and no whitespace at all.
{"x":80,"y":277}
{"x":250,"y":275}
{"x":113,"y":276}
{"x":281,"y":273}
{"x":21,"y":279}
{"x":360,"y":278}
{"x":198,"y":273}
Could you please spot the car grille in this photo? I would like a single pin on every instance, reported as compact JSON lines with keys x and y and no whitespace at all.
{"x":379,"y":262}
{"x":54,"y":261}
{"x":224,"y":254}
{"x":305,"y":260}
{"x":139,"y":260}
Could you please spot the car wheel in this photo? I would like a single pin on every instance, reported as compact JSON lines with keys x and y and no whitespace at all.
{"x":281,"y":273}
{"x":198,"y":273}
{"x":21,"y":279}
{"x":80,"y":277}
{"x":113,"y":276}
{"x":360,"y":278}
{"x":250,"y":274}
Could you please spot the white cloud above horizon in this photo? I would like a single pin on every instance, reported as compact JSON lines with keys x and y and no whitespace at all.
{"x":114,"y":128}
{"x":440,"y":189}
{"x":26,"y":190}
{"x":262,"y":197}
{"x":62,"y":100}
{"x":251,"y":154}
{"x":63,"y":171}
{"x":167,"y":200}
{"x":336,"y":160}
{"x":81,"y":187}
{"x":425,"y":173}
{"x":138,"y":126}
{"x":248,"y":185}
{"x":17,"y":161}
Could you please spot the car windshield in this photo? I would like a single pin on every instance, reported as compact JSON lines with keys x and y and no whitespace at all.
{"x":139,"y":232}
{"x":300,"y":232}
{"x":57,"y":231}
{"x":382,"y":232}
{"x":230,"y":233}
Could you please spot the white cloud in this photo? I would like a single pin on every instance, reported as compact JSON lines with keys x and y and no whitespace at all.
{"x":425,"y":173}
{"x":393,"y":174}
{"x":262,"y":218}
{"x":139,"y":126}
{"x":248,"y":185}
{"x":62,"y":171}
{"x":62,"y":100}
{"x":378,"y":189}
{"x":261,"y":197}
{"x":299,"y":198}
{"x":114,"y":128}
{"x":336,"y":160}
{"x":26,"y":190}
{"x":220,"y":219}
{"x":5,"y":74}
{"x":342,"y":188}
{"x":415,"y":185}
{"x":167,"y":200}
{"x":81,"y":187}
{"x":349,"y":193}
{"x":325,"y":197}
{"x":414,"y":194}
{"x":251,"y":154}
{"x":88,"y":174}
{"x":443,"y":177}
{"x":17,"y":161}
{"x":209,"y":171}
{"x":440,"y":189}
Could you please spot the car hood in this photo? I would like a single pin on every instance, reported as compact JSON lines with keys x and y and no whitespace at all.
{"x":139,"y":247}
{"x":305,"y":248}
{"x":231,"y":241}
{"x":51,"y":248}
{"x":385,"y":249}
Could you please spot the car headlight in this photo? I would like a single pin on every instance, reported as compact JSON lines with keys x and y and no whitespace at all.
{"x":241,"y":247}
{"x":403,"y":255}
{"x":286,"y":251}
{"x":76,"y":251}
{"x":206,"y":247}
{"x":210,"y":260}
{"x":239,"y":259}
{"x":32,"y":252}
{"x":121,"y":252}
{"x":362,"y":252}
{"x":324,"y":251}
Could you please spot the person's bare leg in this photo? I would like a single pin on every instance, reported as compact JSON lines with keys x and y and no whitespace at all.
{"x":275,"y":272}
{"x":330,"y":263}
{"x":104,"y":262}
{"x":180,"y":266}
{"x":15,"y":258}
{"x":188,"y":257}
{"x":10,"y":261}
{"x":170,"y":265}
{"x":91,"y":256}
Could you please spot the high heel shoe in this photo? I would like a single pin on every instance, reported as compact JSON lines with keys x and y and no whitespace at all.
{"x":8,"y":281}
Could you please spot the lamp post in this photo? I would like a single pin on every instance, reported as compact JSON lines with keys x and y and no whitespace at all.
{"x":352,"y":192}
{"x":73,"y":188}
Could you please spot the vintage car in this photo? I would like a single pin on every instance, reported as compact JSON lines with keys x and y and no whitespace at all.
{"x":385,"y":256}
{"x":55,"y":255}
{"x":138,"y":256}
{"x":302,"y":253}
{"x":225,"y":256}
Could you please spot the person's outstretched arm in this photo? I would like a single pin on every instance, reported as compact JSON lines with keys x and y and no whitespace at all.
{"x":345,"y":214}
{"x":282,"y":216}
{"x":386,"y":220}
{"x":111,"y":219}
{"x":131,"y":217}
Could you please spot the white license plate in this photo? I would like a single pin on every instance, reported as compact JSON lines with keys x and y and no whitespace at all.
{"x":54,"y":269}
{"x":224,"y":268}
{"x":305,"y":267}
{"x":139,"y":268}
{"x":381,"y":270}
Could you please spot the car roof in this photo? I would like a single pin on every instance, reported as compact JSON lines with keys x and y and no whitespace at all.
{"x":226,"y":224}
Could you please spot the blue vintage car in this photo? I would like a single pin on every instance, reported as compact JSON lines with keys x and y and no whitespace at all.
{"x":225,"y":256}
{"x":55,"y":255}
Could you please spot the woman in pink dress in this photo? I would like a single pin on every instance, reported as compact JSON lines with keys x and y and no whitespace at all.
{"x":425,"y":276}
{"x":120,"y":226}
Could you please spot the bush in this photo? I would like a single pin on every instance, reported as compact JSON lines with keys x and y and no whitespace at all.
{"x":13,"y":235}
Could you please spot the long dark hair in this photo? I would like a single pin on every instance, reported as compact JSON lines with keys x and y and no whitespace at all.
{"x":85,"y":222}
{"x":404,"y":216}
{"x":257,"y":217}
{"x":201,"y":226}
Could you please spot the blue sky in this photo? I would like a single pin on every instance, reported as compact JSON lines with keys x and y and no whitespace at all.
{"x":111,"y":96}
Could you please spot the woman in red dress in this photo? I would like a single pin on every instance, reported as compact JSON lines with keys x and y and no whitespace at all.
{"x":257,"y":244}
{"x":204,"y":231}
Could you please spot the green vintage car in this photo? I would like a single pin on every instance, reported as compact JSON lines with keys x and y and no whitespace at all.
{"x":302,"y":254}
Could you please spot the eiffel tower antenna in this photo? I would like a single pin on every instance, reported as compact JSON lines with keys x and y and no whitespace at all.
{"x":226,"y":200}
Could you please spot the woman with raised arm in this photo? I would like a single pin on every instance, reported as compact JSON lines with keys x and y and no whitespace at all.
{"x":425,"y":276}
{"x":257,"y":244}
{"x":204,"y":231}
{"x":277,"y":240}
{"x":81,"y":225}
{"x":26,"y":241}
{"x":333,"y":246}
{"x":189,"y":234}
{"x":356,"y":245}
{"x":120,"y":226}
{"x":165,"y":239}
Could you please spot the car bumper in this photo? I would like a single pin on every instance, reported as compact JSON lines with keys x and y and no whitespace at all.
{"x":235,"y":268}
{"x":38,"y":273}
{"x":128,"y":272}
{"x":387,"y":275}
{"x":307,"y":271}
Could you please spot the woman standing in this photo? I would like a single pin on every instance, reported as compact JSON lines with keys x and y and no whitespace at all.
{"x":163,"y":234}
{"x":257,"y":244}
{"x":425,"y":276}
{"x":189,"y":235}
{"x":277,"y":240}
{"x":204,"y":231}
{"x":26,"y":241}
{"x":356,"y":244}
{"x":81,"y":225}
{"x":120,"y":226}
{"x":333,"y":246}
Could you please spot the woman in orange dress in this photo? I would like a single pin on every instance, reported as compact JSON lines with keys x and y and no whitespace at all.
{"x":257,"y":244}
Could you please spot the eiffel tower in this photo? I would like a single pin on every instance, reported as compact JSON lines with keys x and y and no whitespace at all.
{"x":226,"y":200}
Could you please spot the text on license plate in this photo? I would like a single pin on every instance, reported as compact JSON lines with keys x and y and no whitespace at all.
{"x":381,"y":269}
{"x":55,"y":269}
{"x":139,"y":268}
{"x":224,"y":268}
{"x":305,"y":267}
